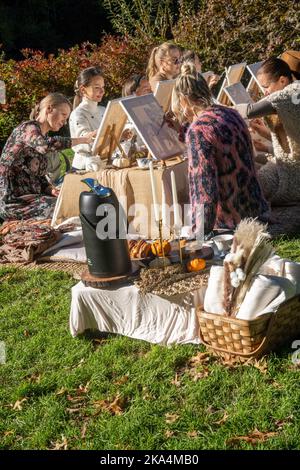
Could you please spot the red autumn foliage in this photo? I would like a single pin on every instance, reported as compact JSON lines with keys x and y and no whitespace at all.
{"x":29,"y":80}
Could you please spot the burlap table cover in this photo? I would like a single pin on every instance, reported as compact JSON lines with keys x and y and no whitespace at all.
{"x":134,"y":185}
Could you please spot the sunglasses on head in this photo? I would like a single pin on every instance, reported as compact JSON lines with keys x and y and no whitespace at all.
{"x":176,"y":60}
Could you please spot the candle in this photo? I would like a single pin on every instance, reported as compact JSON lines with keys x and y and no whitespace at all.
{"x":164,"y":210}
{"x":154,"y":193}
{"x":177,"y":218}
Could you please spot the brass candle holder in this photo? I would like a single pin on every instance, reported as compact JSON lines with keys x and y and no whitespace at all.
{"x":162,"y":250}
{"x":177,"y":232}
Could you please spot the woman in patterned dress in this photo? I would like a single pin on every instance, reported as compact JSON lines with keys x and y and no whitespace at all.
{"x":24,"y":190}
{"x":222,"y":174}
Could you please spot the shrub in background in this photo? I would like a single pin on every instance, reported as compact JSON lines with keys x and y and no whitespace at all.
{"x":225,"y":32}
{"x":29,"y":80}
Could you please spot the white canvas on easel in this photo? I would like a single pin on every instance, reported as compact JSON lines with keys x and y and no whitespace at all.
{"x":254,"y":87}
{"x":110,"y":130}
{"x":2,"y":93}
{"x":163,"y":93}
{"x":148,"y":119}
{"x":238,"y":94}
{"x":233,"y":75}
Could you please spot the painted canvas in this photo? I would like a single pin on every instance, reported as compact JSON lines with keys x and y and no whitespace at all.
{"x":149,"y":121}
{"x":238,"y":94}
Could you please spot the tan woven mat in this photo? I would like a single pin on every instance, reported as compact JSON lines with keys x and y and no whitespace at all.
{"x":72,"y":268}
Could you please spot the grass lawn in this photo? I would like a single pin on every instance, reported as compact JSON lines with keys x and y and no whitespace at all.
{"x":118,"y":393}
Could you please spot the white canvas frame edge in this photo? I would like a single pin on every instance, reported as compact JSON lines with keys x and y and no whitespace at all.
{"x":242,"y":65}
{"x":181,"y":148}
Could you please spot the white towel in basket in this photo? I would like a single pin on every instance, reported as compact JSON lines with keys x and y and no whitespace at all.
{"x":265,"y":295}
{"x":213,"y":300}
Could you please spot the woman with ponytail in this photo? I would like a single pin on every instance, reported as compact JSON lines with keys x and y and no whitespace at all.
{"x":221,"y":169}
{"x":164,"y":64}
{"x":86,"y":115}
{"x":24,"y":190}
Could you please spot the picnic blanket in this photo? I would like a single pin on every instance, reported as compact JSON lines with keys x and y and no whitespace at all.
{"x":24,"y":241}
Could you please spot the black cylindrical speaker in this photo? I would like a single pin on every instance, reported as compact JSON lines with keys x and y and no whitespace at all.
{"x":107,"y":253}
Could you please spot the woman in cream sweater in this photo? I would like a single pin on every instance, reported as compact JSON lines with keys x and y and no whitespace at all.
{"x":87,"y":115}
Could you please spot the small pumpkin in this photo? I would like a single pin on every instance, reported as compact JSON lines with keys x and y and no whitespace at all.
{"x":159,"y":250}
{"x":121,"y":162}
{"x":196,"y":264}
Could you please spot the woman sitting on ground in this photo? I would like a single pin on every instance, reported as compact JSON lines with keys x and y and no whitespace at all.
{"x":221,"y":169}
{"x":86,"y":115}
{"x":280,"y":177}
{"x":191,"y":56}
{"x":24,"y":190}
{"x":164,"y":64}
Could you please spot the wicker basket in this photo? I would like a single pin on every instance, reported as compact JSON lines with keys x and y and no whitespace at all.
{"x":244,"y":339}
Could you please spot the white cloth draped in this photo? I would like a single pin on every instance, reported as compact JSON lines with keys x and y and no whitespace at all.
{"x":128,"y":312}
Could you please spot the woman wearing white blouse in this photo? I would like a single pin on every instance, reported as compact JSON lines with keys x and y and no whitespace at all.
{"x":86,"y":115}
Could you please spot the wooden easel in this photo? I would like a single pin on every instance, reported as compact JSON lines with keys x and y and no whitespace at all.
{"x":163,"y":164}
{"x":110,"y":137}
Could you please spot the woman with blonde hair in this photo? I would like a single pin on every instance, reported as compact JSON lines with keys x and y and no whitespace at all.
{"x":189,"y":56}
{"x":164,"y":63}
{"x":24,"y":190}
{"x":221,"y":169}
{"x":87,"y":114}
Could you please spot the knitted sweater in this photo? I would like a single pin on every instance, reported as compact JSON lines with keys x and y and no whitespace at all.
{"x":84,"y":119}
{"x":287,"y":105}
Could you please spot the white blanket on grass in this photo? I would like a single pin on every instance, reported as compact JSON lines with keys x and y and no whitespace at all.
{"x":128,"y":312}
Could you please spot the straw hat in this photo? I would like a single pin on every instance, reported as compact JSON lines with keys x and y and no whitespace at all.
{"x":292,"y":58}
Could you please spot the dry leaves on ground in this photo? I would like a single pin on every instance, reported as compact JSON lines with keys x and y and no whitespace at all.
{"x":254,"y":437}
{"x":176,"y":381}
{"x":60,"y":445}
{"x":169,"y":433}
{"x":223,"y":419}
{"x":61,"y":391}
{"x":19,"y":404}
{"x":192,"y":434}
{"x":115,"y":407}
{"x":261,"y":364}
{"x":171,"y":418}
{"x":196,"y":368}
{"x":122,"y":380}
{"x":84,"y":429}
{"x":200,"y":358}
{"x":33,"y":378}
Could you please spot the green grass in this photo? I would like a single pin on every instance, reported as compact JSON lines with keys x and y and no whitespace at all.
{"x":61,"y":378}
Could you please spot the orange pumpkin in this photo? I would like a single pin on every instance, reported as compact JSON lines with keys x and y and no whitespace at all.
{"x":157,"y":250}
{"x":196,"y":264}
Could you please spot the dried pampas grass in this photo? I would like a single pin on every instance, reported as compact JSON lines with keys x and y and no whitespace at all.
{"x":251,"y":247}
